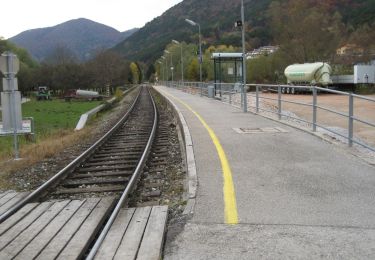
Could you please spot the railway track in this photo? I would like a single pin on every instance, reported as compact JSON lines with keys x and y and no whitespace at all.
{"x":83,"y":213}
{"x":111,"y":165}
{"x":109,"y":168}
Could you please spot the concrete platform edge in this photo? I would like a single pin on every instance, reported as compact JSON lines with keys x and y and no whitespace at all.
{"x":190,"y":157}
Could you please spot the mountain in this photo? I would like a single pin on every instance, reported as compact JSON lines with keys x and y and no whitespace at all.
{"x":217,"y":18}
{"x":82,"y":37}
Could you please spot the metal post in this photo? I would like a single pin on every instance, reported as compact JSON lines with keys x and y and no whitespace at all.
{"x":243,"y":58}
{"x":257,"y":99}
{"x":279,"y":100}
{"x":200,"y":53}
{"x":166,"y":69}
{"x":182,"y":66}
{"x":351,"y":113}
{"x":13,"y":102}
{"x":200,"y":58}
{"x":314,"y":108}
{"x":172,"y":67}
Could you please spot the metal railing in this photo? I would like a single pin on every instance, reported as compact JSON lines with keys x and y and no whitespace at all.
{"x":229,"y":93}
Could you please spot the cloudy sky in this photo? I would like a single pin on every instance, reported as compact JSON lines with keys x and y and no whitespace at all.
{"x":119,"y":14}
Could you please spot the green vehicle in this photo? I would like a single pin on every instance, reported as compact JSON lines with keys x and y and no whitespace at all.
{"x":43,"y":94}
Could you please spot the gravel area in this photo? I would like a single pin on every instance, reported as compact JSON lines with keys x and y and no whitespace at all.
{"x":163,"y":181}
{"x":35,"y":175}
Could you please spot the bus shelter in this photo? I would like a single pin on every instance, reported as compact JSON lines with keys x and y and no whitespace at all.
{"x":227,"y":69}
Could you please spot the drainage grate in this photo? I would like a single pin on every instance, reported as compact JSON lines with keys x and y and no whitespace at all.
{"x":262,"y":130}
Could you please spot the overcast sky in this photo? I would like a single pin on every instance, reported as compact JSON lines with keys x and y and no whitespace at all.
{"x":21,"y":15}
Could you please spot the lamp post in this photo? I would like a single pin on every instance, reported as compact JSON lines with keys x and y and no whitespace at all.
{"x":200,"y":46}
{"x":171,"y":63}
{"x":243,"y":58}
{"x":165,"y":70}
{"x":182,"y":61}
{"x":161,"y":65}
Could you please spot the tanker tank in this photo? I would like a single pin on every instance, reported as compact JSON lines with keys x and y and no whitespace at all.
{"x":318,"y":73}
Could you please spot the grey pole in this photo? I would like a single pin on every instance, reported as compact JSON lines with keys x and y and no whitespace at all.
{"x":11,"y":75}
{"x":172,"y":67}
{"x":182,"y":66}
{"x":279,"y":101}
{"x":243,"y":58}
{"x":257,"y":99}
{"x":200,"y":53}
{"x":351,"y":114}
{"x":315,"y":101}
{"x":182,"y":61}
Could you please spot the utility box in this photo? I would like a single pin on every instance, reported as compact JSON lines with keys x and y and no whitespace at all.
{"x":364,"y":74}
{"x":7,"y":113}
{"x":211,"y":91}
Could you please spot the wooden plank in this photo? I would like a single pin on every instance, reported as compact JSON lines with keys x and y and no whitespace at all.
{"x":78,"y":245}
{"x":11,"y":221}
{"x":113,"y":239}
{"x":131,"y":241}
{"x":3,"y":193}
{"x":53,"y":249}
{"x":13,"y":201}
{"x":12,"y":233}
{"x":153,"y":238}
{"x":10,"y":195}
{"x":12,"y":249}
{"x":46,"y":235}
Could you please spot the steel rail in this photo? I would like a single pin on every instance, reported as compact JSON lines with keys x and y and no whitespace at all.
{"x":65,"y":171}
{"x":128,"y":189}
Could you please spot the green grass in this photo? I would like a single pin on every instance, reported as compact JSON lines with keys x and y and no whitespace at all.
{"x":50,"y":117}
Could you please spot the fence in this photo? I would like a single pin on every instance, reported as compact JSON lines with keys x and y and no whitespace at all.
{"x":230,"y":93}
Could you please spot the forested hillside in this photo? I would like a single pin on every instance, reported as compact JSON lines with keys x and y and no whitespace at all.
{"x":217,"y":18}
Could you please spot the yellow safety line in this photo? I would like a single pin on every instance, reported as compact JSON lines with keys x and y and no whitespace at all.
{"x":231,"y":215}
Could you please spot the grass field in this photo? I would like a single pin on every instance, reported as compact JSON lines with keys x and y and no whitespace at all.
{"x":50,"y":118}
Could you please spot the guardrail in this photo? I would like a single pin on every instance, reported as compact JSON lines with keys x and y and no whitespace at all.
{"x":225,"y":92}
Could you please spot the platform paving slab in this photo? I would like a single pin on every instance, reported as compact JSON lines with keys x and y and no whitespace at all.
{"x":289,"y":185}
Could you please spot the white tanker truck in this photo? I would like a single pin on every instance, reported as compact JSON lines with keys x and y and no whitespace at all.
{"x":318,"y":73}
{"x":82,"y":94}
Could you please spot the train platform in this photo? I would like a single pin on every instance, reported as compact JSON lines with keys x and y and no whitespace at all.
{"x":270,"y":191}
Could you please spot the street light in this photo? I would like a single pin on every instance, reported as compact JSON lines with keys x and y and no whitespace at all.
{"x":243,"y":58}
{"x":200,"y":45}
{"x":166,"y":66}
{"x":161,"y":65}
{"x":167,"y":52}
{"x":182,"y":61}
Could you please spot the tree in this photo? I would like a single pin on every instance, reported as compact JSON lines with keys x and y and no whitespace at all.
{"x":305,"y":30}
{"x":134,"y":73}
{"x":193,"y":70}
{"x":150,"y":71}
{"x":364,"y":38}
{"x":61,"y":55}
{"x":107,"y":69}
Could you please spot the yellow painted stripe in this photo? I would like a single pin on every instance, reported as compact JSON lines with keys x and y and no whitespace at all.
{"x":230,"y":205}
